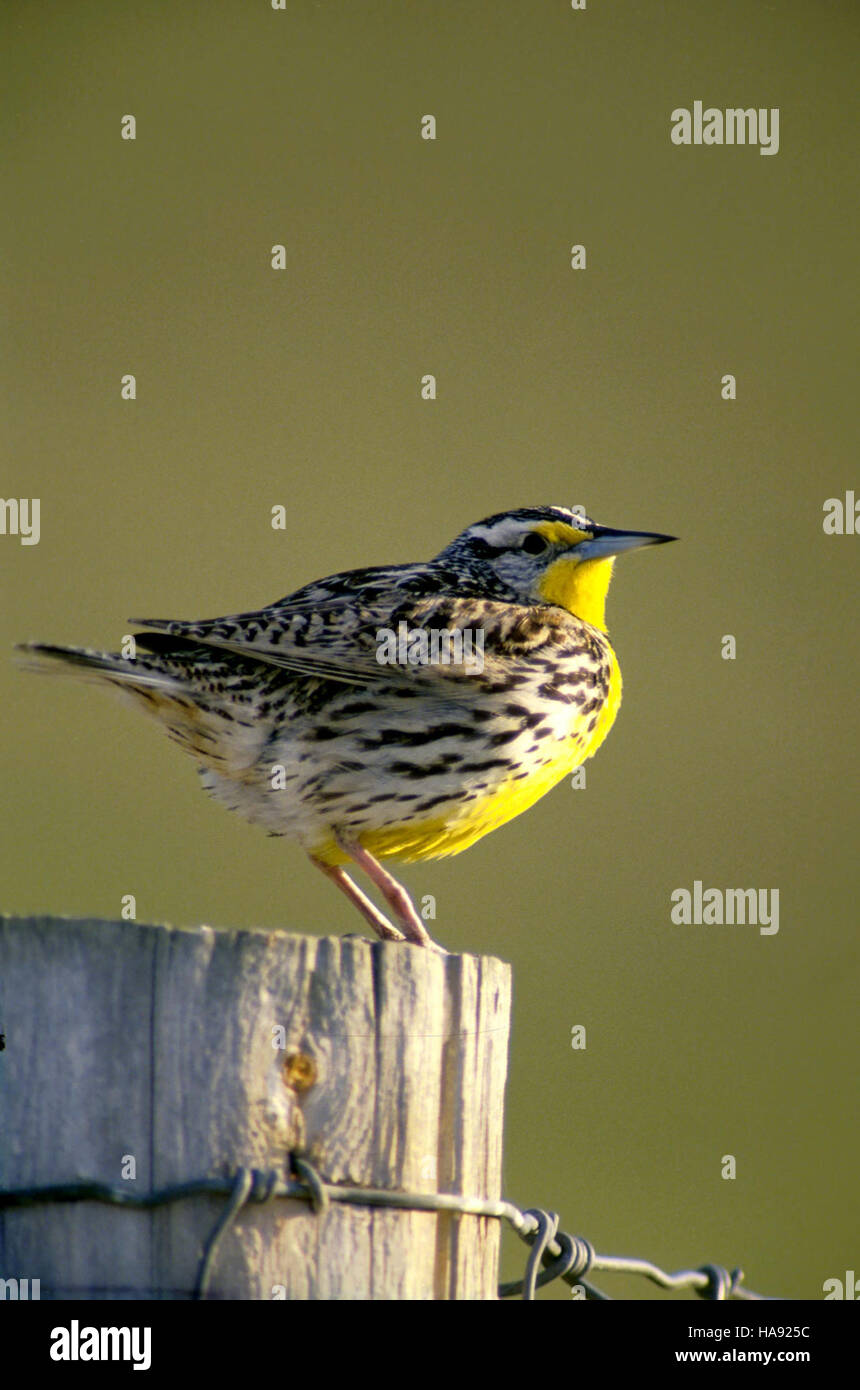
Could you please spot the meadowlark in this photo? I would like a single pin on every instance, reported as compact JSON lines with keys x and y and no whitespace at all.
{"x":401,"y":711}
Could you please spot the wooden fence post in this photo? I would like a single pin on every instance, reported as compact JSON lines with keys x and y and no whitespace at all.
{"x":144,"y":1056}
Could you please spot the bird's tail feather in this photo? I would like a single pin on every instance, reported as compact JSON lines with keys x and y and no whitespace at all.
{"x":159,"y":684}
{"x":90,"y":665}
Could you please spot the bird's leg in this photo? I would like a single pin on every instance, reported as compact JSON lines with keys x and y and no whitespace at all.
{"x":368,"y":910}
{"x":394,"y":894}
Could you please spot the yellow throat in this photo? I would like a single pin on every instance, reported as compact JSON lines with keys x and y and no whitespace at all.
{"x":580,"y":587}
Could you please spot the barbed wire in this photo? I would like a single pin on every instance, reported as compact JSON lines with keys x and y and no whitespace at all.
{"x":553,"y":1254}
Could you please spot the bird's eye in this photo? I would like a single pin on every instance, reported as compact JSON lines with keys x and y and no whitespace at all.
{"x":534,"y":544}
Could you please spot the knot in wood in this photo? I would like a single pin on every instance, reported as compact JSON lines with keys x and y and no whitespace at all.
{"x":300,"y":1071}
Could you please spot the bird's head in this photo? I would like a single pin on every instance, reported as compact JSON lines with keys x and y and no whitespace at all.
{"x":548,"y":555}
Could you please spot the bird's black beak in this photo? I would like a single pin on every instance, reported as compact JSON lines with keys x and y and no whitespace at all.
{"x":607,"y":542}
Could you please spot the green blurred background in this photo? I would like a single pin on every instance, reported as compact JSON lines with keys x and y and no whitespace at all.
{"x":599,"y":387}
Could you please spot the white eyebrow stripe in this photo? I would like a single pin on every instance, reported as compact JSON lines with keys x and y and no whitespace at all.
{"x":501,"y":534}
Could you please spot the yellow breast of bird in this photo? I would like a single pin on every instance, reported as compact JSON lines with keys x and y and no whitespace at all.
{"x":459,"y":824}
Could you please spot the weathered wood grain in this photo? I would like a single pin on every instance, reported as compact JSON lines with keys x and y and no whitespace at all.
{"x":156,"y":1043}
